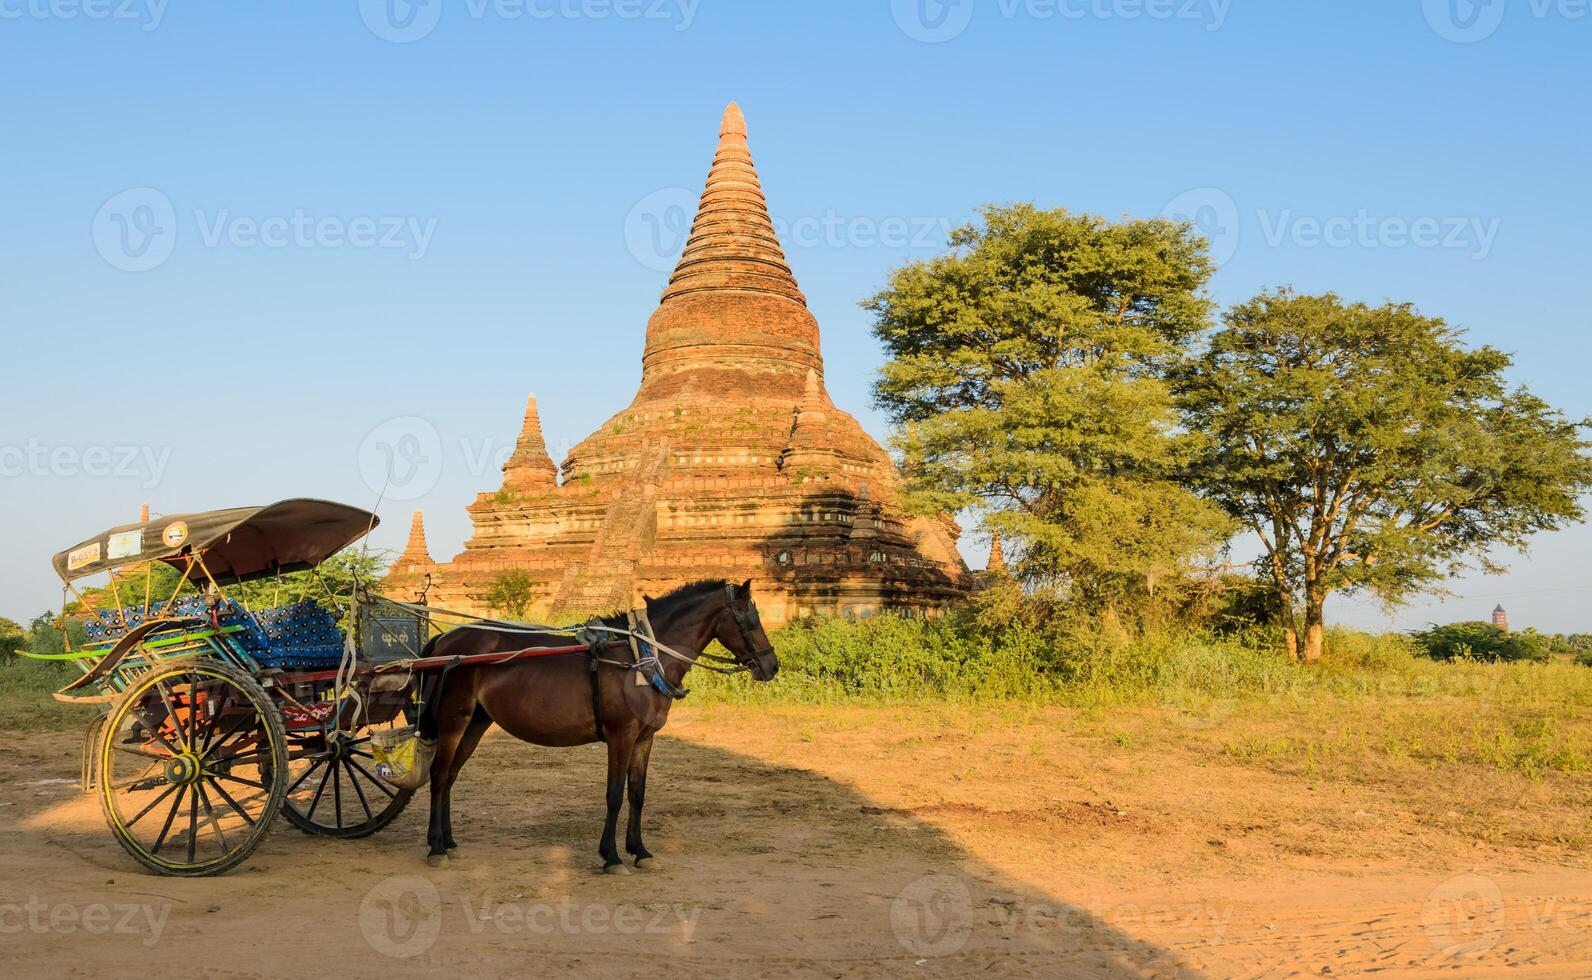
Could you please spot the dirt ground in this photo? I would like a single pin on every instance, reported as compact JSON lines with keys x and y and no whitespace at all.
{"x":846,"y":843}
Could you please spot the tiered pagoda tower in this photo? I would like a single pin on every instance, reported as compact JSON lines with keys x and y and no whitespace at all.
{"x":407,"y":577}
{"x":731,"y":460}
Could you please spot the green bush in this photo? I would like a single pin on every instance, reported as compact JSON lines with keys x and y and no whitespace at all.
{"x":1482,"y":641}
{"x":890,"y":658}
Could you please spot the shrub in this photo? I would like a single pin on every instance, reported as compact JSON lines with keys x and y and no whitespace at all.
{"x":1482,"y":641}
{"x":512,"y":593}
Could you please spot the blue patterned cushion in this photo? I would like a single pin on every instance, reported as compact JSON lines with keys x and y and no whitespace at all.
{"x":303,"y":634}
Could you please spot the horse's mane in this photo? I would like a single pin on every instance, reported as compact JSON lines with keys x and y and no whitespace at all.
{"x":684,"y":593}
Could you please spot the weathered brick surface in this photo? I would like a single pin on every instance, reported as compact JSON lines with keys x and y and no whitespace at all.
{"x":731,"y":461}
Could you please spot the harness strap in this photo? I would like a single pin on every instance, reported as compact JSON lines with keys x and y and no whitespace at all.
{"x":596,"y":694}
{"x":644,"y":646}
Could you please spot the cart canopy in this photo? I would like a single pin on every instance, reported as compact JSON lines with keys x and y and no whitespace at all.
{"x":238,"y":544}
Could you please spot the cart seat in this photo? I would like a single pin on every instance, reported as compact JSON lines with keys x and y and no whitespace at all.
{"x":111,"y":625}
{"x":297,"y":635}
{"x":303,"y":634}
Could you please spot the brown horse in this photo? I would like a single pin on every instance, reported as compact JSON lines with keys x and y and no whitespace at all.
{"x":550,"y":700}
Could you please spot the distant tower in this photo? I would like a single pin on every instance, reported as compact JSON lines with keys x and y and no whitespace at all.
{"x":410,"y":573}
{"x":1501,"y":619}
{"x":997,"y":556}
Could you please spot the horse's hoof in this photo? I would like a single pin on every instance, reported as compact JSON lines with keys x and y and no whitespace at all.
{"x":615,"y":869}
{"x":437,"y":860}
{"x":453,"y":852}
{"x":646,"y":864}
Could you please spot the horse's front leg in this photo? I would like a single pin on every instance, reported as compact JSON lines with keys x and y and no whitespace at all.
{"x":639,"y":758}
{"x":621,"y":744}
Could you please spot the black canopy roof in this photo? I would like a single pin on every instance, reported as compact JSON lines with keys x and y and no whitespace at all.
{"x":238,"y":544}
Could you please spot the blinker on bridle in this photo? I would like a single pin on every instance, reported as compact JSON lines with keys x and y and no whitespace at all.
{"x":746,"y":622}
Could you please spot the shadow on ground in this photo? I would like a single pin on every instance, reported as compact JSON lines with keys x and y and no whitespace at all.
{"x":765,"y":870}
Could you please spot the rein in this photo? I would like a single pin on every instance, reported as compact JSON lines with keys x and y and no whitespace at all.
{"x":498,"y":626}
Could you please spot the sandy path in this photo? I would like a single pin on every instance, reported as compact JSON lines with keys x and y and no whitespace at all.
{"x":802,"y":843}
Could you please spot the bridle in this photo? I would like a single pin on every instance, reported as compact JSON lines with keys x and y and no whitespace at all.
{"x":761,"y":661}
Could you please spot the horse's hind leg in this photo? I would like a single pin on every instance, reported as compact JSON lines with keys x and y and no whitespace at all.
{"x":620,"y":746}
{"x":454,"y":716}
{"x":479,"y":723}
{"x":639,"y":757}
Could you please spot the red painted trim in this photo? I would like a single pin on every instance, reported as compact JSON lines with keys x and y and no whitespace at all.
{"x":501,"y":657}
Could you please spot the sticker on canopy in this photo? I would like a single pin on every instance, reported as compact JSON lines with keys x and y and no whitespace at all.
{"x":83,"y":557}
{"x":175,"y":534}
{"x":125,"y":545}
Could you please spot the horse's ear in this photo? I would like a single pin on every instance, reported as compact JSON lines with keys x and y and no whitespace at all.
{"x":746,"y":589}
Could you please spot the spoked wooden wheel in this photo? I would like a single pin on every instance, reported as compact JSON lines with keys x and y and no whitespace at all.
{"x":192,"y":768}
{"x":332,"y":788}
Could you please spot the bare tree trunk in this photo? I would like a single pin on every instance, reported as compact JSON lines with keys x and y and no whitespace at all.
{"x":1290,"y":638}
{"x":1315,"y":628}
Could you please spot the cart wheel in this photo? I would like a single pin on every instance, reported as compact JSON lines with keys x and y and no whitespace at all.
{"x":192,"y":768}
{"x":332,"y":788}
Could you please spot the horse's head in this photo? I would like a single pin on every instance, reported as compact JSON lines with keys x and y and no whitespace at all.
{"x":740,"y":630}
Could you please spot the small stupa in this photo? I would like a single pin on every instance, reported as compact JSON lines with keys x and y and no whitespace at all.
{"x":408,"y":574}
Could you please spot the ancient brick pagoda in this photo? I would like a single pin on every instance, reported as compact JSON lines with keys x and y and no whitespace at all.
{"x":731,"y":460}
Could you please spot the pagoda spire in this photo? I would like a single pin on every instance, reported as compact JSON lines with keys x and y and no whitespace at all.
{"x":732,"y":304}
{"x":415,"y":551}
{"x":814,"y":399}
{"x":997,"y":556}
{"x":530,"y":468}
{"x":733,"y":244}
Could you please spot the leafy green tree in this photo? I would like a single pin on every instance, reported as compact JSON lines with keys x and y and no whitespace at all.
{"x":1482,"y":641}
{"x":512,"y":593}
{"x":12,"y":637}
{"x":1368,"y":449}
{"x":1026,"y":374}
{"x":47,"y":633}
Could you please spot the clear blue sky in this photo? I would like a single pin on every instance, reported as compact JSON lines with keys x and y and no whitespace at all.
{"x":525,"y":160}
